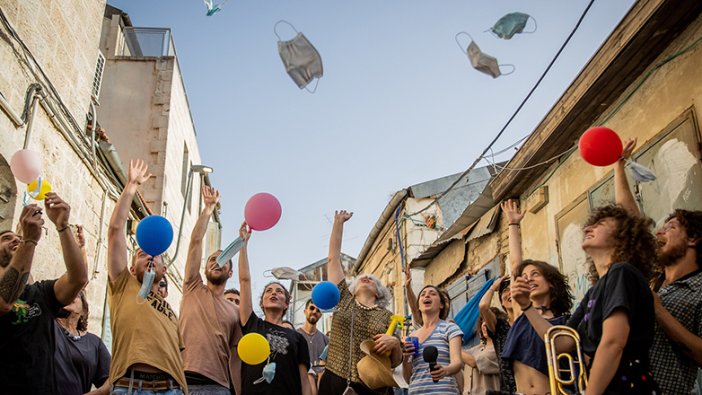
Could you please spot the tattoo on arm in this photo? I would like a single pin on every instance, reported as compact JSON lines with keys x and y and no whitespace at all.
{"x":12,"y":284}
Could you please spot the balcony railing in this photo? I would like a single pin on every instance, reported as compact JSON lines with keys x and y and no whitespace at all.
{"x":147,"y":42}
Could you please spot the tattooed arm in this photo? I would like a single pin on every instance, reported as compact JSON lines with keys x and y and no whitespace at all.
{"x":13,"y":278}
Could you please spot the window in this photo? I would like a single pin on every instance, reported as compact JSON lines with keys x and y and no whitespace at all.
{"x":97,"y":78}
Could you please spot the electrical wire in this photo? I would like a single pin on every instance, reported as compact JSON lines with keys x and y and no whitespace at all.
{"x":516,"y":112}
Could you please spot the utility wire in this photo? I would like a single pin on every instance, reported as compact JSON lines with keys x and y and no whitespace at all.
{"x":509,"y":121}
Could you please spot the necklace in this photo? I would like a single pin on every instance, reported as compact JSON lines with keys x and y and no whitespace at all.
{"x":70,"y":336}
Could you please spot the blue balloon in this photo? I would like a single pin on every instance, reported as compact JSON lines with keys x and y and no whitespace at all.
{"x":154,"y":235}
{"x":325,"y":295}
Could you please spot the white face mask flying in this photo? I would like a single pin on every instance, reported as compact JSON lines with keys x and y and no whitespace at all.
{"x":300,"y":58}
{"x":481,"y":61}
{"x":283,"y":273}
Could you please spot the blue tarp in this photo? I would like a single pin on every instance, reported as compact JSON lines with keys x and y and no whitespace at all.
{"x":467,"y":318}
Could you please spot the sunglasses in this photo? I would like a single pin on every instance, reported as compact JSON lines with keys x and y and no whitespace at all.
{"x":163,"y":284}
{"x":313,"y":308}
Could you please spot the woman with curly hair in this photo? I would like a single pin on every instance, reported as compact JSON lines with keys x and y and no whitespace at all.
{"x":82,"y":360}
{"x":615,"y":318}
{"x":360,"y":315}
{"x":548,"y":296}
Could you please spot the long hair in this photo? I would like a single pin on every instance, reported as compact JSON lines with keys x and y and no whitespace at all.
{"x":443,"y":296}
{"x":561,"y":295}
{"x":383,"y":296}
{"x":285,"y":290}
{"x":633,"y":240}
{"x":692,"y":222}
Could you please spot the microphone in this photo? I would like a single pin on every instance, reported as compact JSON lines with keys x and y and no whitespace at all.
{"x":430,"y":354}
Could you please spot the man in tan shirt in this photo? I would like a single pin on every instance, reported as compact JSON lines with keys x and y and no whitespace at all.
{"x":145,"y":339}
{"x":209,"y":323}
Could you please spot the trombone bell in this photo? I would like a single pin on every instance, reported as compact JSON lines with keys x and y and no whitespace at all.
{"x":571,"y":379}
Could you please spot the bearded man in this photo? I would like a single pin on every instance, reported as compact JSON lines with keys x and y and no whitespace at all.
{"x":209,"y":323}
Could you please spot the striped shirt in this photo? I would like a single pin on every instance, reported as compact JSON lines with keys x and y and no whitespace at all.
{"x":421,"y":382}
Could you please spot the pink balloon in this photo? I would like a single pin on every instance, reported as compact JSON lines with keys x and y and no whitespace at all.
{"x":25,"y":165}
{"x":262,"y":211}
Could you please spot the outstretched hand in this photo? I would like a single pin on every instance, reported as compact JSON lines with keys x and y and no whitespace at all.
{"x":629,"y":145}
{"x":210,"y":196}
{"x":244,"y":232}
{"x":408,"y":275}
{"x":57,"y":210}
{"x":520,"y":290}
{"x":31,"y":221}
{"x":342,"y":216}
{"x":138,"y":172}
{"x":511,"y":209}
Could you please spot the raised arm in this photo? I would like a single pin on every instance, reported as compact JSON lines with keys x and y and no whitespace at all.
{"x":13,"y":277}
{"x":210,"y":197}
{"x":514,"y":218}
{"x":246,"y":299}
{"x":116,"y":238}
{"x":335,"y":269}
{"x":486,"y":301}
{"x":622,"y":193}
{"x":411,"y":297}
{"x":66,"y":288}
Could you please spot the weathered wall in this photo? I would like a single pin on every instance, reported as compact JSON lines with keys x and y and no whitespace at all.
{"x":67,"y":52}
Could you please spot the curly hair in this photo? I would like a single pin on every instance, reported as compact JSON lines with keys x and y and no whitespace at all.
{"x":382,"y":298}
{"x":285,"y":291}
{"x":692,"y":222}
{"x":634,"y":242}
{"x":82,"y":325}
{"x":561,"y":295}
{"x":443,"y":296}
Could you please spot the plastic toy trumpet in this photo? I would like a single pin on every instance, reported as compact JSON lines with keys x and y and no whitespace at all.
{"x":394,"y":320}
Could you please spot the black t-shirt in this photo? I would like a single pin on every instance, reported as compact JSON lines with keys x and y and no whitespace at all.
{"x":80,"y":363}
{"x":622,"y":288}
{"x":288,"y":351}
{"x":27,"y":342}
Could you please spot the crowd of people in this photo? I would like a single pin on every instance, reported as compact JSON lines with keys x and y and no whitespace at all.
{"x":639,"y":324}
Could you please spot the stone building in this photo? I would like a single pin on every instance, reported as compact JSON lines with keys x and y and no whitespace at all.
{"x":41,"y":43}
{"x":144,"y":107}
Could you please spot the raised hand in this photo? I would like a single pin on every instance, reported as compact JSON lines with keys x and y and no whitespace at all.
{"x":31,"y":221}
{"x":629,"y":145}
{"x":511,"y":209}
{"x":244,"y":232}
{"x":520,"y":290}
{"x":408,"y":276}
{"x":138,"y":172}
{"x":496,"y":285}
{"x":342,"y":216}
{"x":57,"y":210}
{"x":210,"y":196}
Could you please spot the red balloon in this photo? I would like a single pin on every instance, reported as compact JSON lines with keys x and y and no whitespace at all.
{"x":262,"y":211}
{"x":600,"y":146}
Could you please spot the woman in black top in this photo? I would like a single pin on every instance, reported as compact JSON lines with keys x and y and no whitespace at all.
{"x":615,"y":318}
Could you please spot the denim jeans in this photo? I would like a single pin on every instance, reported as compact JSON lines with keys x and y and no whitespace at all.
{"x":137,"y":391}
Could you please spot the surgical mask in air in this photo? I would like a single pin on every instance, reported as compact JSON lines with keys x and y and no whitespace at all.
{"x":511,"y":24}
{"x":481,"y":61}
{"x":300,"y":58}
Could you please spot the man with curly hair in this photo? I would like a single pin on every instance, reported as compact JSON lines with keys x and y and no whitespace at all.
{"x":677,"y":344}
{"x":615,"y":318}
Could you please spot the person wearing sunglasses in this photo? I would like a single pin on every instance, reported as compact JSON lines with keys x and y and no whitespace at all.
{"x":316,"y":340}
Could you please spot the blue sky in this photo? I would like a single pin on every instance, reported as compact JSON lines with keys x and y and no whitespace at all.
{"x":399,"y":103}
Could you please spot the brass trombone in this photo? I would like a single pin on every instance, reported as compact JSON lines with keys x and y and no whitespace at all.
{"x":570,"y":380}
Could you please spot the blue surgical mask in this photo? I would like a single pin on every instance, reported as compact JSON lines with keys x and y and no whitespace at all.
{"x":148,"y":281}
{"x":511,"y":24}
{"x":639,"y":172}
{"x":268,"y":373}
{"x":301,"y":60}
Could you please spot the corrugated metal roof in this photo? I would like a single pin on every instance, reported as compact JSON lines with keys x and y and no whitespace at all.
{"x":485,"y":225}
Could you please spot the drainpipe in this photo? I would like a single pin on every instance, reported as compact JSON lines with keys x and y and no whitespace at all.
{"x":10,"y":113}
{"x":30,"y":120}
{"x":92,"y":132}
{"x":98,"y":247}
{"x":182,"y":215}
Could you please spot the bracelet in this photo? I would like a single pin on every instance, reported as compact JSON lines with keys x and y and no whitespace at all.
{"x":64,"y":228}
{"x":515,"y":224}
{"x":30,"y":241}
{"x":531,"y":304}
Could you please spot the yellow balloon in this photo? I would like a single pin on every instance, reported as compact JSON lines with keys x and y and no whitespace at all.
{"x":253,"y":349}
{"x":40,"y":194}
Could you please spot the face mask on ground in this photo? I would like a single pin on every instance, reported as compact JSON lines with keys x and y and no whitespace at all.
{"x":511,"y":24}
{"x":301,"y":60}
{"x":481,"y":61}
